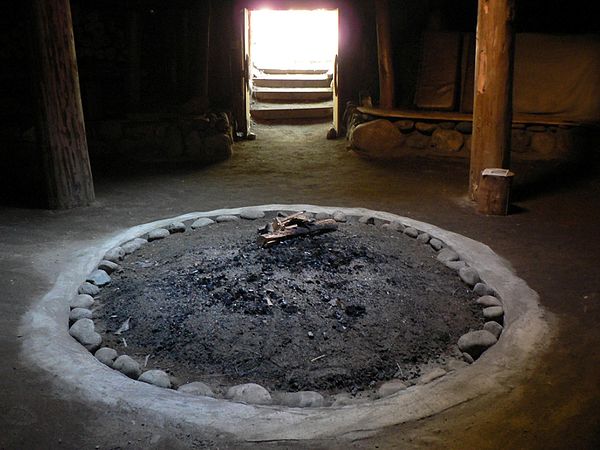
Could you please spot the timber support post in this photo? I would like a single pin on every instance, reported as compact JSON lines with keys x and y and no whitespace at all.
{"x":492,"y":108}
{"x":384,"y":54}
{"x":60,"y":123}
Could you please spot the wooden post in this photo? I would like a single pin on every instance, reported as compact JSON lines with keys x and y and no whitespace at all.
{"x":384,"y":52}
{"x":492,"y":108}
{"x":60,"y":125}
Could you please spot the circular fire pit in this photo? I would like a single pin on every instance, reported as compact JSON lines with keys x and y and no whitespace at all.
{"x":496,"y":345}
{"x":339,"y":312}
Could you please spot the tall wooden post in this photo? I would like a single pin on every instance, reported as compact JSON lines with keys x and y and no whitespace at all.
{"x":384,"y":53}
{"x":60,"y":126}
{"x":492,"y":108}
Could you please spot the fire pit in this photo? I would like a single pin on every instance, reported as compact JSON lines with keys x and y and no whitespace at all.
{"x":364,"y":310}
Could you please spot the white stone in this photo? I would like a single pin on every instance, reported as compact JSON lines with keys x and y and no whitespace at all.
{"x":106,"y":356}
{"x":493,"y":327}
{"x":455,"y":265}
{"x":159,"y":233}
{"x":411,"y":232}
{"x":475,"y":343}
{"x":249,"y":393}
{"x":98,"y":277}
{"x":197,"y":388}
{"x":108,"y":266}
{"x":202,"y":222}
{"x":483,"y":289}
{"x":423,"y":238}
{"x":447,"y":254}
{"x":156,"y":377}
{"x":79,"y":313}
{"x":436,"y":244}
{"x":339,"y":216}
{"x":252,"y":214}
{"x":83,"y":331}
{"x":82,"y":301}
{"x":493,"y":313}
{"x":227,"y":218}
{"x":488,"y":300}
{"x":115,"y":254}
{"x":127,"y":366}
{"x":88,"y":288}
{"x":176,"y":227}
{"x":469,"y":275}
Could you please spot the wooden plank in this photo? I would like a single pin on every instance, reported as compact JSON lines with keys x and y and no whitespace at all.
{"x":60,"y":123}
{"x":492,"y":108}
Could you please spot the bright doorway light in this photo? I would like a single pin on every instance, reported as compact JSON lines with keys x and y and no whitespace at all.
{"x":295,"y":39}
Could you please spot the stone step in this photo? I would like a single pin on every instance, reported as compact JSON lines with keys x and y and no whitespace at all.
{"x":271,"y":111}
{"x":294,"y":71}
{"x":263,"y":94}
{"x":293,"y":81}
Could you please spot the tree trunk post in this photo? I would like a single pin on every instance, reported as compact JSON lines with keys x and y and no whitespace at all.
{"x":60,"y":123}
{"x":384,"y":53}
{"x":492,"y":108}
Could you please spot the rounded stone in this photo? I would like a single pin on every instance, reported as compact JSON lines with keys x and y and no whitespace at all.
{"x":447,"y":254}
{"x":79,"y":313}
{"x":83,"y":331}
{"x":390,"y":387}
{"x":468,"y":358}
{"x":455,"y":265}
{"x":252,"y":214}
{"x":411,"y":232}
{"x":493,"y":313}
{"x":417,"y":140}
{"x":436,"y":244}
{"x":339,"y":216}
{"x":108,"y":266}
{"x":202,"y":222}
{"x":98,"y":277}
{"x":322,"y":216}
{"x":82,"y":301}
{"x":543,"y":143}
{"x":133,"y":245}
{"x":115,"y":254}
{"x":469,"y":275}
{"x":176,"y":227}
{"x":302,"y":399}
{"x":376,"y":139}
{"x":493,"y":327}
{"x":423,"y":238}
{"x":106,"y":356}
{"x":197,"y":388}
{"x":474,"y":343}
{"x":127,"y":366}
{"x":483,"y":289}
{"x":227,"y":218}
{"x":488,"y":300}
{"x":249,"y":393}
{"x":88,"y":289}
{"x":434,"y":374}
{"x":156,"y":377}
{"x":447,"y":140}
{"x":426,"y":128}
{"x":159,"y":233}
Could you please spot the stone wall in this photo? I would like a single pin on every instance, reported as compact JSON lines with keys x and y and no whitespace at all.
{"x":204,"y":139}
{"x":379,"y":138}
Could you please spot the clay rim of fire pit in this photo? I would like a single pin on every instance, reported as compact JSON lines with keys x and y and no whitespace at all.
{"x":526,"y":332}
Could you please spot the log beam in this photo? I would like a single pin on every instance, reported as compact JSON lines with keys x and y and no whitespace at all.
{"x":384,"y":54}
{"x":492,"y":108}
{"x":60,"y":124}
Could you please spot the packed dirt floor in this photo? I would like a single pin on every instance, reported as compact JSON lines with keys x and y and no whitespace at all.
{"x":551,"y":239}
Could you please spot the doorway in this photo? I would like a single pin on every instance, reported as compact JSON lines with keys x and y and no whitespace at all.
{"x":291,"y":65}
